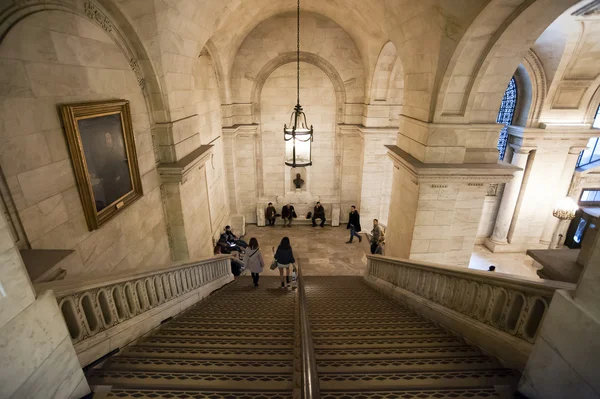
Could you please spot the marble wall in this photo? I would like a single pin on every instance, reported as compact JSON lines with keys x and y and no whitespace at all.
{"x":52,"y":58}
{"x":278,"y":98}
{"x":207,"y":98}
{"x":34,"y":340}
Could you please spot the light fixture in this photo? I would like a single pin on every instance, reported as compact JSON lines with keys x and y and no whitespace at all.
{"x":564,"y":211}
{"x":298,"y":136}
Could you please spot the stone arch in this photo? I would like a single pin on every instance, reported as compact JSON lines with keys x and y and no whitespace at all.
{"x":325,"y":66}
{"x":483,"y":63}
{"x":531,"y":80}
{"x":110,"y":19}
{"x":383,"y":73}
{"x":224,"y":89}
{"x":592,"y":105}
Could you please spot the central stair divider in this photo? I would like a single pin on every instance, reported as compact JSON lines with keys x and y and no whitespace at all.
{"x":305,"y":364}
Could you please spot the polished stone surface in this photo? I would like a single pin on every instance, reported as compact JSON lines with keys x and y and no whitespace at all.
{"x":517,"y":263}
{"x":320,"y":251}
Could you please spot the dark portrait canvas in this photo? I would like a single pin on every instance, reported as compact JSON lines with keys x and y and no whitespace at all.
{"x":106,"y":158}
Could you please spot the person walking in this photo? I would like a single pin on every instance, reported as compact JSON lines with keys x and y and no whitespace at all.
{"x":354,"y":225}
{"x":376,"y":236}
{"x":253,"y":260}
{"x":319,"y":213}
{"x":270,"y":214}
{"x":287,"y":214}
{"x":285,"y":257}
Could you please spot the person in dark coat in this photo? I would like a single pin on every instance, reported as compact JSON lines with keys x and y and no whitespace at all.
{"x":287,"y":214}
{"x":285,"y":257}
{"x":270,"y":213}
{"x":319,"y":213}
{"x":354,"y":225}
{"x":232,"y":239}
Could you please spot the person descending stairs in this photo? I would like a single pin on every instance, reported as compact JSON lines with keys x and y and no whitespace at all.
{"x":239,"y":344}
{"x":368,"y":346}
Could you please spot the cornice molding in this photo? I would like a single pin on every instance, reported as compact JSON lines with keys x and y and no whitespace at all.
{"x":471,"y":173}
{"x":178,"y":172}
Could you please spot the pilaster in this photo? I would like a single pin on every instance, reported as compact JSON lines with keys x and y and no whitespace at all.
{"x":509,"y":201}
{"x":182,"y":204}
{"x":436,"y":207}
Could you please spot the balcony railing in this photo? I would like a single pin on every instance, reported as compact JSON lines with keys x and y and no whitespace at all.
{"x":510,"y":304}
{"x":95,"y":305}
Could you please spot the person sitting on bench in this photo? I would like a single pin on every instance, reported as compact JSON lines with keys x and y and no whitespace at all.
{"x":319,"y":213}
{"x":233,"y":239}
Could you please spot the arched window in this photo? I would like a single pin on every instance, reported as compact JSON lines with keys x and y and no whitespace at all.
{"x":592,"y":153}
{"x":505,"y":115}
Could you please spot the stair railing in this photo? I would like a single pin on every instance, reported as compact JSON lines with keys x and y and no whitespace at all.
{"x":310,"y":378}
{"x":487,"y":301}
{"x":98,"y":308}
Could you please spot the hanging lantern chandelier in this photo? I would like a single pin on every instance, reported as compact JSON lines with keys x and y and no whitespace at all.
{"x":298,"y":136}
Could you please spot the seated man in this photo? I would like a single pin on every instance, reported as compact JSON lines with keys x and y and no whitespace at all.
{"x":319,"y":213}
{"x":233,"y":239}
{"x":270,"y":214}
{"x":287,"y":214}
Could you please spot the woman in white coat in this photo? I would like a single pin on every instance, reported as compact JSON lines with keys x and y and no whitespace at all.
{"x":253,"y":260}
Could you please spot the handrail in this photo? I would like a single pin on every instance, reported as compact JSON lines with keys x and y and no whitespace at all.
{"x":514,"y":305}
{"x":310,"y":378}
{"x":98,"y":304}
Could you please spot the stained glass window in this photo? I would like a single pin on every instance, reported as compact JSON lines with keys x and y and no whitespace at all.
{"x":505,"y":115}
{"x":591,"y":153}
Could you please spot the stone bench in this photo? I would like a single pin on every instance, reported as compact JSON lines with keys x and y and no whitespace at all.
{"x":332,"y":214}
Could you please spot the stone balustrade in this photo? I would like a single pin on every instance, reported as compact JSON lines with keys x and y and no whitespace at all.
{"x":99,"y":309}
{"x":470,"y":302}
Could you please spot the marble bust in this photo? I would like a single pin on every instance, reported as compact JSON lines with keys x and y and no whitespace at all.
{"x":298,"y":181}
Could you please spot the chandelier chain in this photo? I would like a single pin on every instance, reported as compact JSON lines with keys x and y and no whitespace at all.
{"x":298,"y":55}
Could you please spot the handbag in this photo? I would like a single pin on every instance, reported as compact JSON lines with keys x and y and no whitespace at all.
{"x":273,"y":264}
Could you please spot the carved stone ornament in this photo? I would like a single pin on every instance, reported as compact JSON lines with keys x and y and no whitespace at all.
{"x":94,"y":13}
{"x":492,"y":190}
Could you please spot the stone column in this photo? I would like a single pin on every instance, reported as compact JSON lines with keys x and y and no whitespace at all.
{"x":551,"y":229}
{"x":435,"y":209}
{"x":563,"y":363}
{"x":509,"y":201}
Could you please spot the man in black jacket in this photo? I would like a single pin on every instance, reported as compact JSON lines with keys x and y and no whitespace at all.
{"x":319,"y":213}
{"x":354,"y":225}
{"x":270,"y":214}
{"x":287,"y":214}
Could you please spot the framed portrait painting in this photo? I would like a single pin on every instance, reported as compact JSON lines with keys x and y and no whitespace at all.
{"x":102,"y":147}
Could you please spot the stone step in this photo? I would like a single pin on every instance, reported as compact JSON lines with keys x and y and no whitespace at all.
{"x":416,"y":380}
{"x":396,"y":353}
{"x":256,"y":342}
{"x":226,"y":328}
{"x":119,"y":363}
{"x":439,"y":393}
{"x":237,"y":321}
{"x":377,"y":335}
{"x":220,"y":335}
{"x":388,"y":342}
{"x":197,"y":381}
{"x":408,"y":365}
{"x":415,"y":325}
{"x":239,"y":353}
{"x":132,"y":393}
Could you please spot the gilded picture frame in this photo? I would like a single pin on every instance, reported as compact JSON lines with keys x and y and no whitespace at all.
{"x":102,"y":147}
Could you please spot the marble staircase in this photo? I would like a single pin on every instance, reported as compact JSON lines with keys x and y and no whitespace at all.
{"x":239,"y":343}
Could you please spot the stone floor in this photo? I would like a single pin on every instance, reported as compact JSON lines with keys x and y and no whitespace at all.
{"x":320,"y":251}
{"x":512,"y":263}
{"x":324,"y":252}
